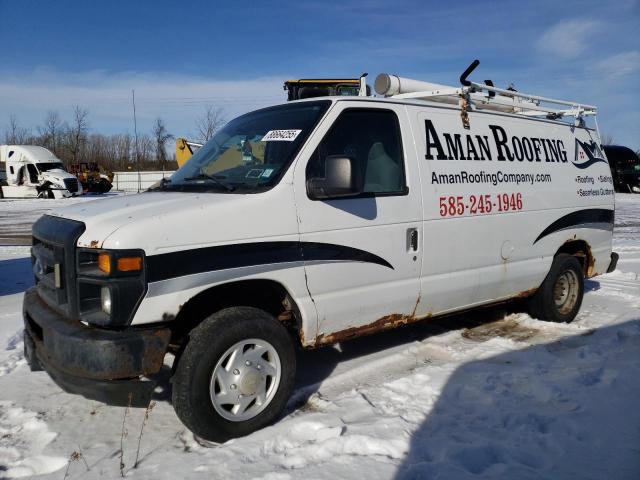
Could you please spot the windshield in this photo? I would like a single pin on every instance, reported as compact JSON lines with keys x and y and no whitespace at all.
{"x":251,"y":152}
{"x":43,"y":167}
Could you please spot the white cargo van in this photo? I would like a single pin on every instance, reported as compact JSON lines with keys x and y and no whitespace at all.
{"x":31,"y":171}
{"x":311,"y":223}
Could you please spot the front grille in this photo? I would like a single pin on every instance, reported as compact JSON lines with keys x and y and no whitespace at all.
{"x":47,"y":261}
{"x":53,"y":262}
{"x":71,"y":184}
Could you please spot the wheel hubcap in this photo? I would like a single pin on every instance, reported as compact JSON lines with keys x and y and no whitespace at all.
{"x":245,"y":379}
{"x":250,"y":382}
{"x":566,"y":291}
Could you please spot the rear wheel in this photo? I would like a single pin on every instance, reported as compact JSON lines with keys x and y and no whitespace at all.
{"x":559,"y":297}
{"x":235,"y":375}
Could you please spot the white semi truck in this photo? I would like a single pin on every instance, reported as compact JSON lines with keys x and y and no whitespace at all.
{"x":31,"y":172}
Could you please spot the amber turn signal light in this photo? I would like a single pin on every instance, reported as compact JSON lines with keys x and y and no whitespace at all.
{"x":129,"y":264}
{"x":104,"y":262}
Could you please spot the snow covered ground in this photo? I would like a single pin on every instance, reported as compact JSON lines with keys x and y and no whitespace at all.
{"x":493,"y":394}
{"x":17,"y":215}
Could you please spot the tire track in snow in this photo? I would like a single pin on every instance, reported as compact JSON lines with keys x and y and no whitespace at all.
{"x":15,"y":356}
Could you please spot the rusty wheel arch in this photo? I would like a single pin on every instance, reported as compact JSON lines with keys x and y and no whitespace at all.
{"x":582,"y":251}
{"x":267,"y":295}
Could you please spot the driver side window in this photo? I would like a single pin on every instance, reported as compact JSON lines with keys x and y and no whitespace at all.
{"x":372,"y":138}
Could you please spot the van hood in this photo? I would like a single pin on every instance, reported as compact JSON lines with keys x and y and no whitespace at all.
{"x":158,"y":222}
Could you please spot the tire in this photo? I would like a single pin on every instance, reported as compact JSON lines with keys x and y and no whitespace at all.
{"x":199,"y":395}
{"x":559,"y":297}
{"x":104,"y":186}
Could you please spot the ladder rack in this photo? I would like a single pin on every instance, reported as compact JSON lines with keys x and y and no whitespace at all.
{"x":472,"y":95}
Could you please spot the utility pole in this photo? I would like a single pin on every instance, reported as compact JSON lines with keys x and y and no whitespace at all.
{"x":135,"y":131}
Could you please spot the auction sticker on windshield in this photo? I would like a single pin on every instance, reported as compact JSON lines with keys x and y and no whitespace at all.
{"x":281,"y":135}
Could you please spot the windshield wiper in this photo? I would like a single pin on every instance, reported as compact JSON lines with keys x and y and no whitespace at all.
{"x":161,"y":184}
{"x":203,"y":175}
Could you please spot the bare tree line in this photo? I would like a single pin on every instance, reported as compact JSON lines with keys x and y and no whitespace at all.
{"x":73,"y":141}
{"x":212,"y":120}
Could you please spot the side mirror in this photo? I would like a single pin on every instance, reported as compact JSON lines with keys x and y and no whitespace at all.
{"x":341,"y":179}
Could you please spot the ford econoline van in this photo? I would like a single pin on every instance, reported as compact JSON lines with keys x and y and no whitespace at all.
{"x":311,"y":223}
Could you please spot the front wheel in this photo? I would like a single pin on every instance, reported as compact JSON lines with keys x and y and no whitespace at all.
{"x":559,"y":297}
{"x":235,"y":375}
{"x":104,"y":186}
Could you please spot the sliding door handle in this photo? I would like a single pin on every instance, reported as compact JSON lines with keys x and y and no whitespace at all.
{"x":412,"y":239}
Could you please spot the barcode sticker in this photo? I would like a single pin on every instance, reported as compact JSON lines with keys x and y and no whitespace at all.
{"x":281,"y":135}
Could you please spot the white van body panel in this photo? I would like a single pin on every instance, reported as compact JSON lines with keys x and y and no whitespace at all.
{"x":165,"y":222}
{"x":555,"y":188}
{"x":494,"y":256}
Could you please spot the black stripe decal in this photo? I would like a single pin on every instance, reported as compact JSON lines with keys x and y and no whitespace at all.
{"x":600,"y":218}
{"x":208,"y":259}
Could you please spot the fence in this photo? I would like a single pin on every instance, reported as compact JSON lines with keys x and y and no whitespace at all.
{"x":137,"y":181}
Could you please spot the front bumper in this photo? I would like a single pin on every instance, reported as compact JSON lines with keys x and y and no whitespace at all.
{"x":100,"y":364}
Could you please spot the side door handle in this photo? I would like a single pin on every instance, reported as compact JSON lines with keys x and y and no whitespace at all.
{"x":412,"y":239}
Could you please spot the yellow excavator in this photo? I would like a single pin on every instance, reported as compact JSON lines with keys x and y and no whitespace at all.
{"x":93,"y":177}
{"x":185,"y":149}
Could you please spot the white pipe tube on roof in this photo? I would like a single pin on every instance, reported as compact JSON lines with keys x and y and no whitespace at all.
{"x":388,"y":85}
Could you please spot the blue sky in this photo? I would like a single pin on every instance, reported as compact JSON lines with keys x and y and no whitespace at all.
{"x":182,"y":56}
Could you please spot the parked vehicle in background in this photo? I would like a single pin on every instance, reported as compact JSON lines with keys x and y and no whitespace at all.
{"x":312,"y":223}
{"x":93,"y":177}
{"x":625,"y":168}
{"x":32,"y":172}
{"x":325,"y":87}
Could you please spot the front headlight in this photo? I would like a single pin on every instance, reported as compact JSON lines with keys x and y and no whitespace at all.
{"x":111,"y":284}
{"x":105,"y":300}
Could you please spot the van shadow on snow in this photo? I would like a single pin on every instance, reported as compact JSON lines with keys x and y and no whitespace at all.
{"x":15,"y":275}
{"x":591,"y":285}
{"x":567,"y":409}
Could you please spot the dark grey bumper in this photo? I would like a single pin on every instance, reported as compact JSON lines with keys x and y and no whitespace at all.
{"x":100,"y":364}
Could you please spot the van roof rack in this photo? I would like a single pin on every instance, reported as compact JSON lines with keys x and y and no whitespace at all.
{"x":472,"y":95}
